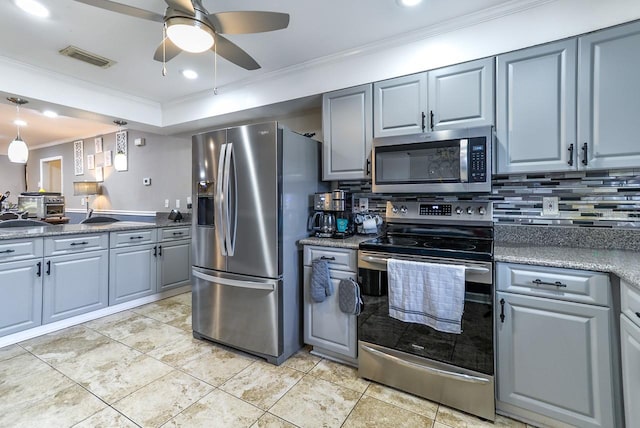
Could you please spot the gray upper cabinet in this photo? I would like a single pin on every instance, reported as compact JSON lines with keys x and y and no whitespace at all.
{"x":536,"y":109}
{"x":400,"y":106}
{"x":347,"y":128}
{"x":609,"y":95}
{"x":462,"y":95}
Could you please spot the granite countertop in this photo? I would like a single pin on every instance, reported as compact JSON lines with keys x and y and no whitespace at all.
{"x":351,"y":242}
{"x":71,"y":229}
{"x":552,"y":247}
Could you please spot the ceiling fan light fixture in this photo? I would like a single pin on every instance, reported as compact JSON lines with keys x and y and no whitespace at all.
{"x":189,"y":34}
{"x":18,"y":151}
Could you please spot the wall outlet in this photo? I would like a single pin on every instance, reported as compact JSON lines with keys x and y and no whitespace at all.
{"x":550,"y":206}
{"x":83,"y":201}
{"x":177,"y":203}
{"x":189,"y":203}
{"x":363,"y":205}
{"x":166,"y":203}
{"x":146,"y":181}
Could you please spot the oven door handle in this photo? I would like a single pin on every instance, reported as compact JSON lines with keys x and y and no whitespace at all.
{"x":470,"y":269}
{"x":444,"y":373}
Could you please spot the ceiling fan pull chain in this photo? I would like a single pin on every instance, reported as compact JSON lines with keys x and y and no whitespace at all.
{"x":164,"y":50}
{"x":215,"y":67}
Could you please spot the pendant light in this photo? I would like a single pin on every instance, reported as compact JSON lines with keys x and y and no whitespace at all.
{"x":18,"y":151}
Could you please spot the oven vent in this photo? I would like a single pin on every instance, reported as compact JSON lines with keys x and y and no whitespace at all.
{"x":88,"y":57}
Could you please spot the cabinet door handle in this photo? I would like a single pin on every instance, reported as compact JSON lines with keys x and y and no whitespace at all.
{"x":502,"y":310}
{"x":368,"y":167}
{"x":555,"y":284}
{"x":431,"y":119}
{"x":48,"y":267}
{"x":423,"y":118}
{"x":39,"y":272}
{"x":7,"y":251}
{"x":136,"y":237}
{"x":155,"y":251}
{"x":79,"y":243}
{"x":160,"y":250}
{"x":585,"y":159}
{"x":327,"y":258}
{"x":570,"y":161}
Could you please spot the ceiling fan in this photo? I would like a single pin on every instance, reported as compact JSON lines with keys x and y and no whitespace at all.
{"x":191,"y":28}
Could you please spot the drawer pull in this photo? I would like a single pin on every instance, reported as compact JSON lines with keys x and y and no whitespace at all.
{"x":177,"y":233}
{"x":328,"y":258}
{"x":79,"y":243}
{"x":555,"y":284}
{"x":7,"y":251}
{"x":136,"y":237}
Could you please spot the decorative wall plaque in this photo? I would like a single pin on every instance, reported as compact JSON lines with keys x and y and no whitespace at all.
{"x":78,"y":157}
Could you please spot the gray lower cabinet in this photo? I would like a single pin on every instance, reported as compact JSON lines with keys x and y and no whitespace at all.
{"x":132,"y":265}
{"x":331,"y":332}
{"x":630,"y":352}
{"x":20,"y":295}
{"x":555,"y":357}
{"x":347,"y":129}
{"x":174,"y":258}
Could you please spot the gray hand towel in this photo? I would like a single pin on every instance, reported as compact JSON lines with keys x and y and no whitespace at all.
{"x":321,"y":285}
{"x":349,"y":297}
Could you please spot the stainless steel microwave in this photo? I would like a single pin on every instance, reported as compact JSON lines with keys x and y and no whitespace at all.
{"x":453,"y":161}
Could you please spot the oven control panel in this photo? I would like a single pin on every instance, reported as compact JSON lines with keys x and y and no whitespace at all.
{"x":458,"y":212}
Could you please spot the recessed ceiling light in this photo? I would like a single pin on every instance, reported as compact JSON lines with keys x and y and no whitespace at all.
{"x":33,"y":7}
{"x":190,"y":74}
{"x":19,"y":122}
{"x":50,"y":113}
{"x":409,"y":3}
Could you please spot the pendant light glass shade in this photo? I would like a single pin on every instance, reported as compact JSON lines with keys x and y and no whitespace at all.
{"x":18,"y":151}
{"x":120,"y":162}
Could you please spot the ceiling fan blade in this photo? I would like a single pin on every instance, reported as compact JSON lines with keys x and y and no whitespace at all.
{"x":231,"y":52}
{"x":124,"y":9}
{"x":246,"y":22}
{"x":170,"y":51}
{"x":181,"y":5}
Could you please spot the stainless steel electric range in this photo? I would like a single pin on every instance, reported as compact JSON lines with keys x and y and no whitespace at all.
{"x":453,"y":369}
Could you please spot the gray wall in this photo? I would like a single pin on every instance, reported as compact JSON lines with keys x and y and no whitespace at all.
{"x":11,"y":178}
{"x":166,"y":160}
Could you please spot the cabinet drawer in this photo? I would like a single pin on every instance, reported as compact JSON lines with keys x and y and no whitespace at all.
{"x":20,"y":249}
{"x":69,"y":244}
{"x":563,"y":284}
{"x":338,"y":258}
{"x":134,"y":237}
{"x":630,"y":304}
{"x":174,"y":233}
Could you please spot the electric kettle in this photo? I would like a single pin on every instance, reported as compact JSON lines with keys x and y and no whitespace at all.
{"x":323,"y":224}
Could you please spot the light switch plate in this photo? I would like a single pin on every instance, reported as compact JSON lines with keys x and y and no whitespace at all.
{"x":550,"y":206}
{"x":177,"y":203}
{"x":166,"y":203}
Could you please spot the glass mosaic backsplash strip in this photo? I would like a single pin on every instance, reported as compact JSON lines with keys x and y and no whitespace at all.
{"x":593,"y":199}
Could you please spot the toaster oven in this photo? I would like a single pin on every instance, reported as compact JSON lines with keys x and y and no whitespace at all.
{"x":41,"y":205}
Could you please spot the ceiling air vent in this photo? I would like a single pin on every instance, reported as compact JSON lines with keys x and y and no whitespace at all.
{"x":88,"y":57}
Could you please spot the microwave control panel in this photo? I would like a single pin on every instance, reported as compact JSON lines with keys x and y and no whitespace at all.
{"x":478,"y":161}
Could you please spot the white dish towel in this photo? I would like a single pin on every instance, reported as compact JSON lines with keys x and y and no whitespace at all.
{"x":427,"y":293}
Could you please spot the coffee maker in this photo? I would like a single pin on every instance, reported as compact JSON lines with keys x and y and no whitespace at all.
{"x":332,"y":217}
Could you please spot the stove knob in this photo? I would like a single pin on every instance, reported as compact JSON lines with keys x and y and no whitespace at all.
{"x":403,"y":209}
{"x":470,"y":210}
{"x":394,"y":209}
{"x":458,"y":210}
{"x":482,"y":211}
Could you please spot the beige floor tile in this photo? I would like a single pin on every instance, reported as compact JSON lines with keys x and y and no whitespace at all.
{"x":262,"y":384}
{"x":66,"y":344}
{"x":218,"y":409}
{"x":182,"y":350}
{"x":402,"y":399}
{"x":340,"y":374}
{"x":315,"y":402}
{"x":184,"y":298}
{"x":11,"y":351}
{"x":165,"y":311}
{"x":25,"y":379}
{"x":162,"y":399}
{"x":302,"y":360}
{"x":371,"y":412}
{"x":216,"y":365}
{"x":457,"y":419}
{"x":111,"y":321}
{"x":142,"y":333}
{"x":61,"y":409}
{"x":120,"y":377}
{"x":270,"y":421}
{"x":106,"y":418}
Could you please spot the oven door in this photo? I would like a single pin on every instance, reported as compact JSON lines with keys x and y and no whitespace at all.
{"x":472,"y":349}
{"x":53,"y":210}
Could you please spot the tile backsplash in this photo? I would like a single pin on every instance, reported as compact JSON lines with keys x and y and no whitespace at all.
{"x":594,"y":198}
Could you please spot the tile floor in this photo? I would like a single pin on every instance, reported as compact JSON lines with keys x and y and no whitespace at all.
{"x":143,"y":368}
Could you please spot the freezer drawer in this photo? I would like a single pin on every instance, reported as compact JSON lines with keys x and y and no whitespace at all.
{"x":239,"y":311}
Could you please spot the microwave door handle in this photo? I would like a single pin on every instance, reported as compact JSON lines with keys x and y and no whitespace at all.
{"x":219,"y":220}
{"x":464,"y":160}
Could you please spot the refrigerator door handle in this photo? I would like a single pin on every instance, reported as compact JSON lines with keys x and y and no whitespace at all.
{"x":230,"y":229}
{"x":234,"y":283}
{"x":220,"y":221}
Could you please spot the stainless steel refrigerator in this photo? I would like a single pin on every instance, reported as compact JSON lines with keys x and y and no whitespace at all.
{"x":252,"y":186}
